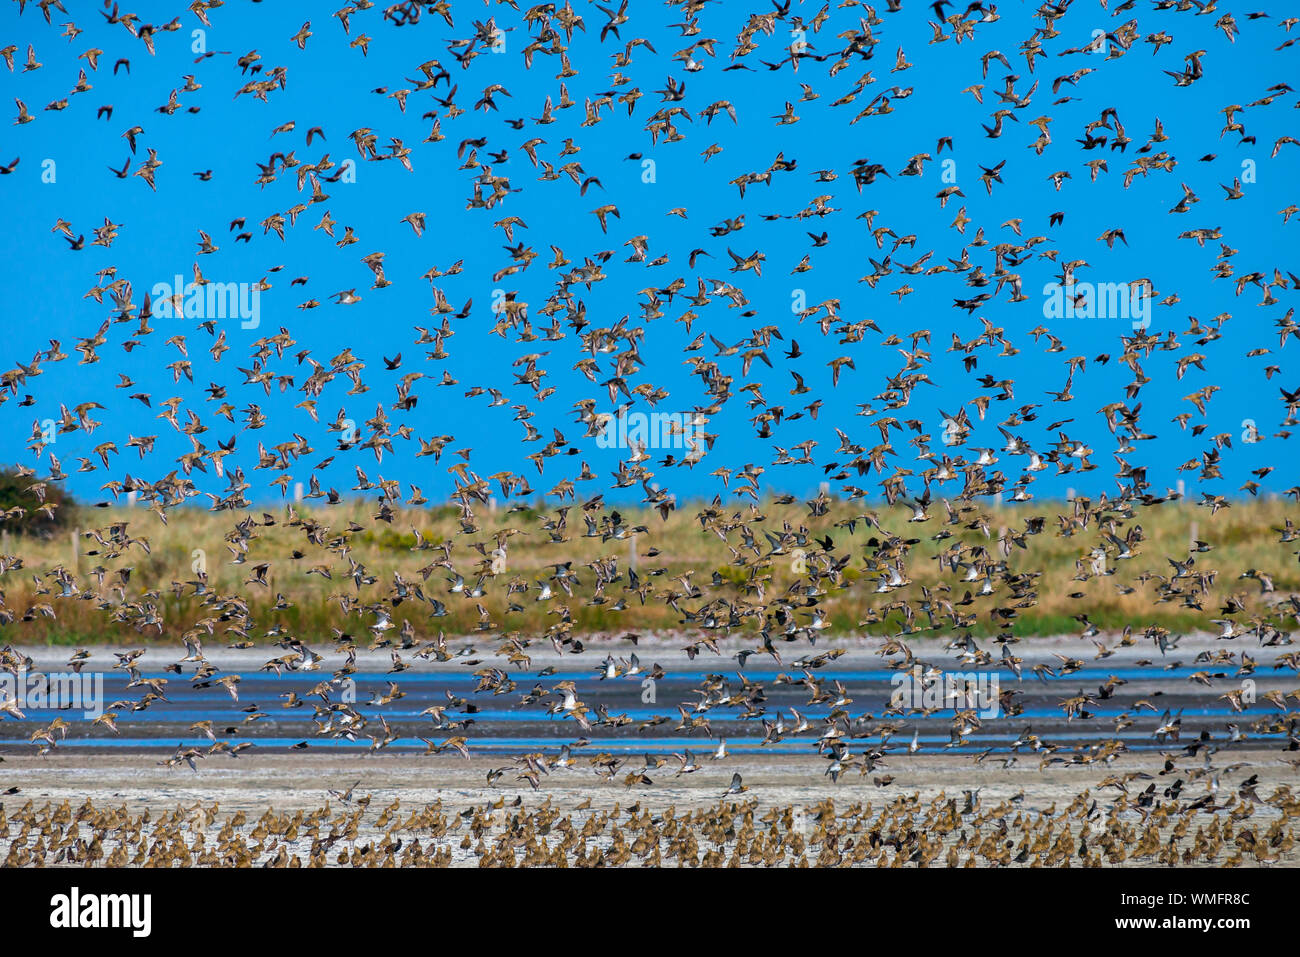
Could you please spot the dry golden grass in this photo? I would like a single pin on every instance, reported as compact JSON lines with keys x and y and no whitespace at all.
{"x":1241,"y":537}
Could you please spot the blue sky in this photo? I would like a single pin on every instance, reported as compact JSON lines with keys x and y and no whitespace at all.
{"x":332,"y":85}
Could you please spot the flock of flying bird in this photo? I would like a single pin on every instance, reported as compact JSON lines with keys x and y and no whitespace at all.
{"x":834,"y":64}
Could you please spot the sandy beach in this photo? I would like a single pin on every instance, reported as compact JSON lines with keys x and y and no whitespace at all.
{"x":428,"y":800}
